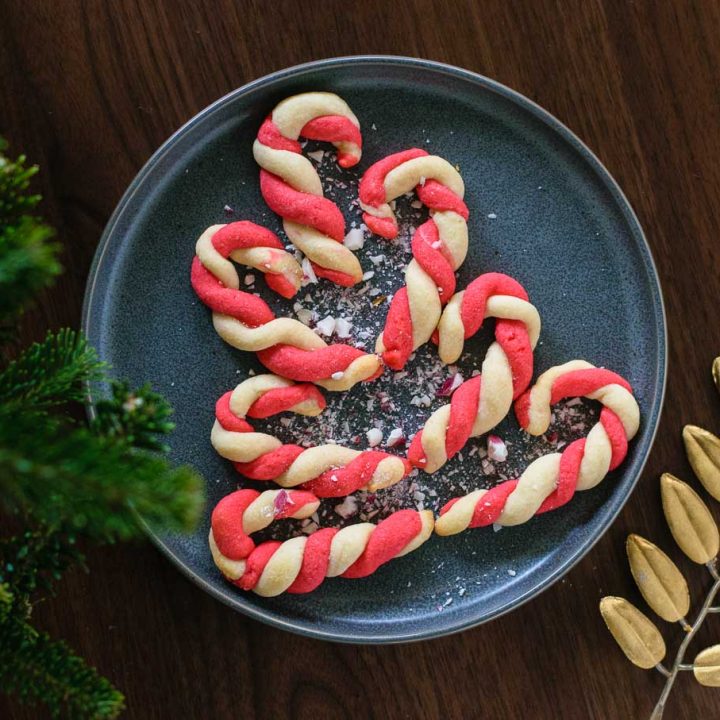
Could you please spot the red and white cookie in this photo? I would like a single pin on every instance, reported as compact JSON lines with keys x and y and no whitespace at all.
{"x":290,"y":184}
{"x":300,"y":565}
{"x":328,"y":470}
{"x":551,"y":480}
{"x":481,"y":402}
{"x":284,"y":345}
{"x":439,"y":246}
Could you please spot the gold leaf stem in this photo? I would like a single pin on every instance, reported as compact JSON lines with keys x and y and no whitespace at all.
{"x":680,"y":656}
{"x":712,"y":569}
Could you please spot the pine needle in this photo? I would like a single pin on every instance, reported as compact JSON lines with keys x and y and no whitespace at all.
{"x":50,"y":373}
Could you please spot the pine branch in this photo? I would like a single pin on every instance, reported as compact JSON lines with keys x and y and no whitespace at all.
{"x":15,"y":178}
{"x":134,"y":418}
{"x":28,"y":263}
{"x":30,"y":563}
{"x":91,"y":483}
{"x":50,"y":373}
{"x":35,"y":667}
{"x":28,"y":259}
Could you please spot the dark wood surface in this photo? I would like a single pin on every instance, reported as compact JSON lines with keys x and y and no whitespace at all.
{"x":90,"y":89}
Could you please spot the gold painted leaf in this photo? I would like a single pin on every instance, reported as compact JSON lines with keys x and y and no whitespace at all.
{"x":635,"y":633}
{"x":703,"y":451}
{"x":690,"y":520}
{"x":716,"y":372}
{"x":658,"y":578}
{"x":706,"y":667}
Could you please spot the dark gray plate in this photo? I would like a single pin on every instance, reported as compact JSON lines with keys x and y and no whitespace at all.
{"x":562,"y":227}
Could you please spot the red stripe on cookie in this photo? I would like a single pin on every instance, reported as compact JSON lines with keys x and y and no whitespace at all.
{"x":282,"y":399}
{"x":389,"y":537}
{"x":316,"y":558}
{"x":581,"y":383}
{"x":305,"y":209}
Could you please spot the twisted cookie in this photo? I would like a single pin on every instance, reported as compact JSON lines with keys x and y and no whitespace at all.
{"x":439,"y":245}
{"x":325,"y":470}
{"x":551,"y":480}
{"x":481,"y":402}
{"x":301,"y":564}
{"x":291,"y":186}
{"x":284,"y":345}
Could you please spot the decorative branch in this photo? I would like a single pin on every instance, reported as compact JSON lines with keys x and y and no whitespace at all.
{"x":660,"y":581}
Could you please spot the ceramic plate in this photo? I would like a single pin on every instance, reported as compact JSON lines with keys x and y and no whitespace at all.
{"x":543,"y":209}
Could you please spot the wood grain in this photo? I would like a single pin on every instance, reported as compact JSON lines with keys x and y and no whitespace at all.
{"x":90,"y":89}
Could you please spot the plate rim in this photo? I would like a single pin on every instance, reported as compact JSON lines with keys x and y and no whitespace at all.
{"x":654,"y":414}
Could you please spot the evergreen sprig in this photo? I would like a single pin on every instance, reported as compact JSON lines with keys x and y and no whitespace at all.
{"x":90,"y":482}
{"x":137,"y":418}
{"x":15,"y":200}
{"x":63,"y":479}
{"x":37,"y":668}
{"x":49,"y":373}
{"x":28,"y":263}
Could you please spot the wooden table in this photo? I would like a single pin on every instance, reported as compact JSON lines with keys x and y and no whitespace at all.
{"x":89,"y":89}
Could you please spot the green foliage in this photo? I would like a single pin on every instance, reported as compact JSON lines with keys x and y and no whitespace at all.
{"x":28,"y":263}
{"x":50,"y":373}
{"x":35,"y":667}
{"x":63,"y":479}
{"x":33,"y":561}
{"x":135,"y":418}
{"x":28,"y":259}
{"x":90,"y":482}
{"x":15,"y":200}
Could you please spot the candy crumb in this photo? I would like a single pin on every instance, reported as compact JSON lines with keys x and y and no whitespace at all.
{"x":374,"y":437}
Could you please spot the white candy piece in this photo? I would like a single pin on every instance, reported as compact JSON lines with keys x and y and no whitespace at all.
{"x":374,"y":437}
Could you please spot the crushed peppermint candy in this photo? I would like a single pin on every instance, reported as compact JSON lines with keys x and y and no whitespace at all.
{"x":355,"y":239}
{"x":342,"y":328}
{"x":395,"y":438}
{"x":374,"y":437}
{"x":305,"y":316}
{"x":317,"y":155}
{"x":496,"y":448}
{"x":249,"y":279}
{"x":282,"y":500}
{"x":309,"y":275}
{"x":450,"y":385}
{"x":348,"y":507}
{"x":326,"y":326}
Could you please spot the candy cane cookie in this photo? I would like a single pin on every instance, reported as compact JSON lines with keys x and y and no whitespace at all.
{"x":551,"y":480}
{"x":284,"y":345}
{"x":325,"y":470}
{"x":300,"y":565}
{"x":291,"y":186}
{"x":439,"y":246}
{"x":481,"y":402}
